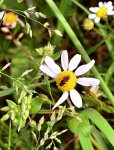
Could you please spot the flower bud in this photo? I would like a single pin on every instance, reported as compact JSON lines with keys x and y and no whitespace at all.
{"x":5,"y":117}
{"x":32,"y":123}
{"x":88,"y":24}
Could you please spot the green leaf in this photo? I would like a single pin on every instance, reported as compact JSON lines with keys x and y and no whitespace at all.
{"x":85,"y":142}
{"x":98,"y":137}
{"x":48,"y":84}
{"x":7,"y":92}
{"x":82,"y":128}
{"x":35,"y":105}
{"x":101,"y":123}
{"x":56,"y":55}
{"x":79,"y":126}
{"x":109,"y":73}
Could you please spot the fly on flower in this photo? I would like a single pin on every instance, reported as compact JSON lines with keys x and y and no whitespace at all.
{"x":10,"y":19}
{"x":67,"y":79}
{"x":102,"y":11}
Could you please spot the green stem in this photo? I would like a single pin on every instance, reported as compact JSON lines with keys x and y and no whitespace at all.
{"x":80,"y":6}
{"x":79,"y":47}
{"x":11,"y":90}
{"x":20,"y":13}
{"x":109,"y":73}
{"x":7,"y":75}
{"x":44,"y":111}
{"x":63,"y":6}
{"x":13,"y":79}
{"x":98,"y":137}
{"x":9,"y":138}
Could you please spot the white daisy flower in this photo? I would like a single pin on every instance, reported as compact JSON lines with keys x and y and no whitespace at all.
{"x":10,"y":19}
{"x":102,"y":11}
{"x":67,"y":80}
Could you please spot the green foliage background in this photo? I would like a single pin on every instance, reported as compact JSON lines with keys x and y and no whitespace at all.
{"x":27,"y":121}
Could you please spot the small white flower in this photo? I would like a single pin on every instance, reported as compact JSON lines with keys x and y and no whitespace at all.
{"x":95,"y":90}
{"x":10,"y":19}
{"x":102,"y":11}
{"x":66,"y":80}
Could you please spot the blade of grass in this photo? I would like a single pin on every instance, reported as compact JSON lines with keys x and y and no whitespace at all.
{"x":82,"y":129}
{"x":95,"y":143}
{"x":7,"y":92}
{"x":81,"y":6}
{"x":63,"y":7}
{"x":109,"y":73}
{"x":96,"y":134}
{"x":92,"y":49}
{"x":101,"y":123}
{"x":85,"y":142}
{"x":79,"y":47}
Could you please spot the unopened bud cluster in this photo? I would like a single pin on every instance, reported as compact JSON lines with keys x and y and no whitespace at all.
{"x":19,"y":113}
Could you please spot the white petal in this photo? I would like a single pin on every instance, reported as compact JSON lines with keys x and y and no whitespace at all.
{"x":46,"y":70}
{"x":84,"y":68}
{"x":94,"y":9}
{"x":109,"y":7}
{"x":52,"y":65}
{"x":76,"y":98}
{"x":109,"y":3}
{"x":92,"y":16}
{"x":74,"y":62}
{"x":13,"y":25}
{"x":94,"y":88}
{"x":97,"y":19}
{"x":61,"y":100}
{"x":20,"y":22}
{"x":1,"y":14}
{"x":64,"y":60}
{"x":110,"y":12}
{"x":100,"y":4}
{"x":88,"y":81}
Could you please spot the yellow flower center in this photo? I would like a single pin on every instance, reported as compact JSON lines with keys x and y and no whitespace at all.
{"x":88,"y":24}
{"x":66,"y":81}
{"x":102,"y":13}
{"x":10,"y":18}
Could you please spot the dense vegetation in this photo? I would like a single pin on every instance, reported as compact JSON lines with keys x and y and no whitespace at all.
{"x":46,"y":101}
